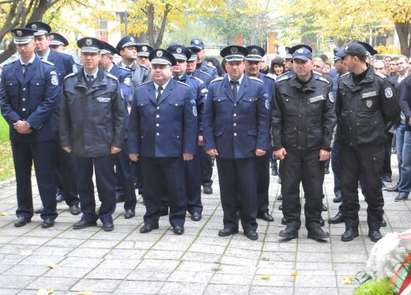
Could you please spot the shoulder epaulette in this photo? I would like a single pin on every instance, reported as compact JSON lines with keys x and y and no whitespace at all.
{"x":124,"y":69}
{"x":47,"y":62}
{"x":256,"y":79}
{"x":198,"y":79}
{"x":269,"y":77}
{"x":70,"y":75}
{"x":10,"y":63}
{"x":344,"y":75}
{"x":182,"y":83}
{"x":211,"y":66}
{"x":283,"y":77}
{"x":204,"y":72}
{"x":111,"y":76}
{"x":217,"y":79}
{"x":321,"y":78}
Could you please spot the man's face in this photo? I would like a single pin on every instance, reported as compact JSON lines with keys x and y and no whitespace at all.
{"x":351,"y":62}
{"x":252,"y":68}
{"x":340,"y":66}
{"x":200,"y":56}
{"x":191,"y":66}
{"x":288,"y":64}
{"x":26,"y":51}
{"x":318,"y":66}
{"x":42,"y":43}
{"x":129,"y":53}
{"x":393,"y":67}
{"x":106,"y":61}
{"x":235,"y":69}
{"x":90,"y":60}
{"x":142,"y":60}
{"x":161,"y":73}
{"x":402,"y":65}
{"x":59,"y":48}
{"x":303,"y":68}
{"x":379,"y":67}
{"x":180,"y":68}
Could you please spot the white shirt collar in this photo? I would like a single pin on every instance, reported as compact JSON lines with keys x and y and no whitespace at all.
{"x":239,"y":80}
{"x":45,"y":56}
{"x":29,"y":62}
{"x":110,"y":68}
{"x":92,"y":74}
{"x":164,"y":86}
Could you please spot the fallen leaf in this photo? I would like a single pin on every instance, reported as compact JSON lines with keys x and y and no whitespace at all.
{"x":265,"y":259}
{"x":265,"y":277}
{"x":45,"y":292}
{"x":217,"y":269}
{"x":2,"y":213}
{"x":52,"y":266}
{"x":85,"y":293}
{"x":294,"y":274}
{"x":347,"y":280}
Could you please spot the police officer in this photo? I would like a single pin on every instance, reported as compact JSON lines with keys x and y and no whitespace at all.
{"x":57,"y":42}
{"x":143,"y":55}
{"x":235,"y":123}
{"x":197,"y":45}
{"x":127,"y":48}
{"x":192,"y":168}
{"x":303,"y":119}
{"x":124,"y":168}
{"x":193,"y":70}
{"x":162,"y":133}
{"x":29,"y":93}
{"x":253,"y":62}
{"x":92,"y":118}
{"x":365,"y":104}
{"x":64,"y":63}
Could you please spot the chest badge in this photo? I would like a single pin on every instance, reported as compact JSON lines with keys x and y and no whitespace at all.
{"x":368,"y":103}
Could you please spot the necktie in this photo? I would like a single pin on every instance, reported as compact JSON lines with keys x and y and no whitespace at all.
{"x":159,"y":91}
{"x":234,"y":88}
{"x":90,"y":78}
{"x":24,"y":69}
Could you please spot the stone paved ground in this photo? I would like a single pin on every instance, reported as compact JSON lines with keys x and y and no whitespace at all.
{"x":199,"y":262}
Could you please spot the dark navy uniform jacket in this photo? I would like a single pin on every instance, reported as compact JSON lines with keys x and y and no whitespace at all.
{"x":269,"y":84}
{"x":124,"y":77}
{"x":236,"y":128}
{"x":203,"y":76}
{"x":64,"y":64}
{"x":166,"y":129}
{"x":32,"y":97}
{"x":212,"y":71}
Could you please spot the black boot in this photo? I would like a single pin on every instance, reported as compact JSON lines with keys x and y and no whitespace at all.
{"x":351,"y":231}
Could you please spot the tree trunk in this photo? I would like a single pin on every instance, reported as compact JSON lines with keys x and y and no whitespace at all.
{"x":160,"y":36}
{"x":404,"y":35}
{"x":150,"y":24}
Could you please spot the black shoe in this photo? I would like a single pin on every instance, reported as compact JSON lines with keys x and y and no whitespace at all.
{"x":48,"y":222}
{"x":290,"y":232}
{"x":146,"y":228}
{"x":391,"y":189}
{"x":225,"y":232}
{"x":401,"y":197}
{"x":326,"y":170}
{"x":120,"y":198}
{"x":207,"y":189}
{"x":324,"y":208}
{"x":251,"y":234}
{"x":283,"y":221}
{"x":274,"y":171}
{"x":21,"y":221}
{"x":280,"y":207}
{"x":178,"y":229}
{"x":196,"y":216}
{"x":349,"y":234}
{"x":338,"y":218}
{"x":322,"y":222}
{"x":59,"y":197}
{"x":338,"y":197}
{"x":386,"y":178}
{"x":84,"y":224}
{"x":75,"y":209}
{"x":315,"y":232}
{"x":266,"y":216}
{"x":383,"y":223}
{"x":164,"y":211}
{"x":129,"y":214}
{"x":375,"y":235}
{"x":108,"y":226}
{"x":38,"y":211}
{"x":279,"y":197}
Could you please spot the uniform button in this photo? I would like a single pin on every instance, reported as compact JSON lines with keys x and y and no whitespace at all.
{"x":23,"y":109}
{"x":24,"y":89}
{"x":176,"y":104}
{"x":157,"y":125}
{"x":219,"y":100}
{"x":235,"y":134}
{"x":234,"y":124}
{"x":23,"y":99}
{"x":235,"y":104}
{"x":299,"y":116}
{"x":358,"y":124}
{"x":158,"y":134}
{"x":157,"y":116}
{"x":235,"y":115}
{"x":158,"y":108}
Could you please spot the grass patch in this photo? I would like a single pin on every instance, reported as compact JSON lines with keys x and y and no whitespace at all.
{"x":6,"y":160}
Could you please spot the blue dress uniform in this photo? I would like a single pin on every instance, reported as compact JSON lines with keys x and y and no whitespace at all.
{"x":163,"y":126}
{"x":236,"y":125}
{"x":198,"y":45}
{"x":125,"y":169}
{"x":92,"y":123}
{"x":255,"y":54}
{"x":30,"y":92}
{"x":192,"y":168}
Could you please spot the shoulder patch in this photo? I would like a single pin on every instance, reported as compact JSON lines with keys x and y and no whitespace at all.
{"x":70,"y":75}
{"x":321,"y":78}
{"x":47,"y":62}
{"x":217,"y":79}
{"x":182,"y":83}
{"x":111,"y":76}
{"x":256,"y":79}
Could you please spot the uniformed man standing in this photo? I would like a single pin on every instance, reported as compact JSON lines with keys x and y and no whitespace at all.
{"x":197,"y":45}
{"x":162,"y":134}
{"x":252,"y":68}
{"x":192,"y":168}
{"x":235,"y":128}
{"x":365,"y":104}
{"x":303,"y":119}
{"x":29,"y":94}
{"x":58,"y":42}
{"x":124,"y":168}
{"x":92,"y":118}
{"x":143,"y":55}
{"x":64,"y":63}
